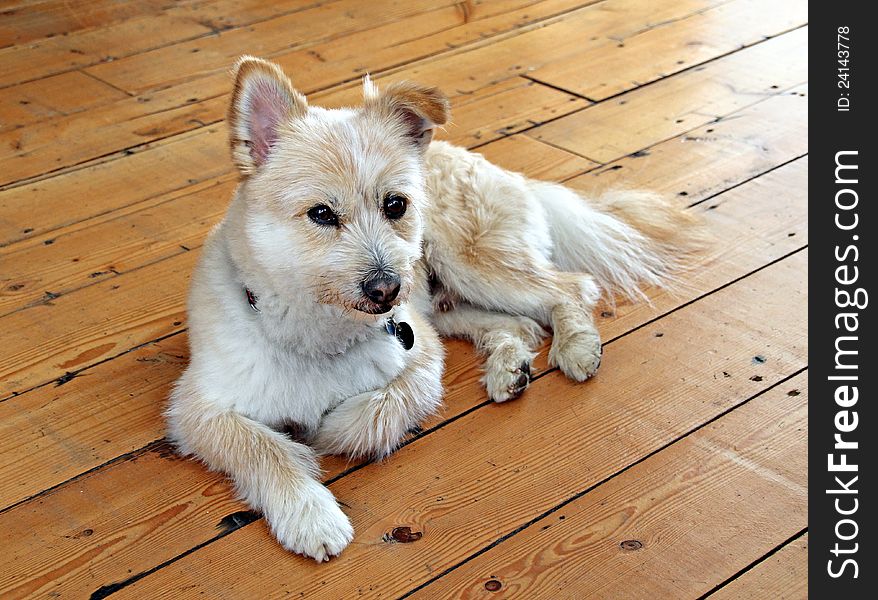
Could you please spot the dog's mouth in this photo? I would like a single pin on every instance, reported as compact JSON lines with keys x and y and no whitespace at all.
{"x":374,"y":308}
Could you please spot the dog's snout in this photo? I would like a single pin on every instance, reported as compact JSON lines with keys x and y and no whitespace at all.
{"x":382,"y":288}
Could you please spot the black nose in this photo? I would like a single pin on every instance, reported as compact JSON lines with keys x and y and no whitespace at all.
{"x":381,"y":288}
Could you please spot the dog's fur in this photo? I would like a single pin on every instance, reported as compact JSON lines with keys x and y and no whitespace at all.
{"x":480,"y":253}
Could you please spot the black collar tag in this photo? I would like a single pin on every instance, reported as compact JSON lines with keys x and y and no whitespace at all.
{"x":402,"y":331}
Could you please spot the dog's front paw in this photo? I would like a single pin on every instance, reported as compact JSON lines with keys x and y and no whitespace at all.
{"x":507,"y":370}
{"x":579,"y":356}
{"x":315,"y":526}
{"x":369,"y":425}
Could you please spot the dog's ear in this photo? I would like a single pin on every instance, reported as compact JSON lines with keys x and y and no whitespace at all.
{"x":263,"y":99}
{"x":417,"y":108}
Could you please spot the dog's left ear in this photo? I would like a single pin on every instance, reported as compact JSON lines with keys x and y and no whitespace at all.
{"x":417,"y":108}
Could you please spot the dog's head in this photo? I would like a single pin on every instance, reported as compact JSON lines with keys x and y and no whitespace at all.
{"x":333,"y":197}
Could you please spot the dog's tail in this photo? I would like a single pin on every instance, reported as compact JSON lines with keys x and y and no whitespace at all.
{"x":626,"y":240}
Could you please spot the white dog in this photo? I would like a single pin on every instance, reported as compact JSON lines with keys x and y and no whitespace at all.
{"x":350,"y":242}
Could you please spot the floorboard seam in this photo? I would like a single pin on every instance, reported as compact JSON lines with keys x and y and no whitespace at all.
{"x":755,"y":563}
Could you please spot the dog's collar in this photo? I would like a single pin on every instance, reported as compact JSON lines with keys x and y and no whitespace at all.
{"x":402,"y":331}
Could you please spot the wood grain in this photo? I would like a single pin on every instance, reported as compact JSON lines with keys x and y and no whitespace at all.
{"x":34,"y":20}
{"x":672,"y":46}
{"x":337,"y":36}
{"x":87,"y":47}
{"x":59,"y":95}
{"x":164,"y":167}
{"x":522,"y":154}
{"x":673,"y":526}
{"x":146,"y":123}
{"x":738,"y":147}
{"x":505,"y":468}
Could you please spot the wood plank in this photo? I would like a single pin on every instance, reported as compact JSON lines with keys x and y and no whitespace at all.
{"x":59,"y":95}
{"x":671,"y":46}
{"x":737,"y":147}
{"x":134,"y":121}
{"x":35,"y":150}
{"x":36,"y":208}
{"x":54,"y":193}
{"x":736,"y":219}
{"x":81,"y":256}
{"x":157,"y":365}
{"x":83,"y":48}
{"x":355,"y":37}
{"x":76,"y":330}
{"x":35,"y":20}
{"x":522,"y":154}
{"x":640,"y":118}
{"x":783,"y":576}
{"x":95,"y":33}
{"x":465,"y":72}
{"x":505,"y":108}
{"x":505,"y":469}
{"x":696,"y":513}
{"x":771,"y":133}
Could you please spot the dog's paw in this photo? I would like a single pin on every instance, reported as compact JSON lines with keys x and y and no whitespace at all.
{"x":507,"y":370}
{"x":580,"y":355}
{"x":316,"y":527}
{"x":369,"y":425}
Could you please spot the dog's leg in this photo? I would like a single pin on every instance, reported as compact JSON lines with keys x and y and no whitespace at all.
{"x":576,"y":344}
{"x":506,"y":341}
{"x":271,"y":472}
{"x":531,"y":288}
{"x":372,"y":424}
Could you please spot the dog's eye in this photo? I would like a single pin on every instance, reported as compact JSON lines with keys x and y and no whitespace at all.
{"x":394,"y":206}
{"x":323,"y":215}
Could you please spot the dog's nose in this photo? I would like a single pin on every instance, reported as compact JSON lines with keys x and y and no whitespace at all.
{"x":382,"y":288}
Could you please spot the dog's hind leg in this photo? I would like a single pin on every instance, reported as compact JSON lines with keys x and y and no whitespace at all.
{"x":529,"y":287}
{"x":507,"y":341}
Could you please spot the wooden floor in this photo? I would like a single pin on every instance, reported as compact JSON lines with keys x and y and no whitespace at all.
{"x":678,"y":472}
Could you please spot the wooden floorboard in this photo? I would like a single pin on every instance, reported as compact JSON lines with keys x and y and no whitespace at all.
{"x":678,"y":472}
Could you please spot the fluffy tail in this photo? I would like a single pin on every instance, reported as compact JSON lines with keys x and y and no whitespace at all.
{"x":626,"y":240}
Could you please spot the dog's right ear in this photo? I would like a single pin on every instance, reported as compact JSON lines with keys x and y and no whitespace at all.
{"x":262,"y":101}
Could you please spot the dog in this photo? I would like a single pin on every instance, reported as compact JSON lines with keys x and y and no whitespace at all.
{"x":353,"y":241}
